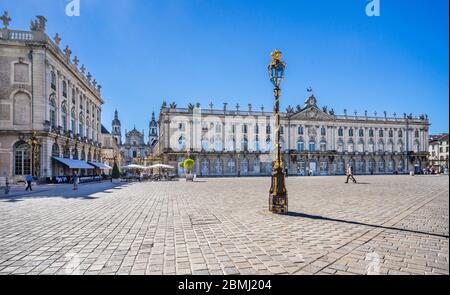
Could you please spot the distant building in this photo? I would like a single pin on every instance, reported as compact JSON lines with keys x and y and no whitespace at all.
{"x":110,"y":149}
{"x":134,"y":150}
{"x":439,"y":150}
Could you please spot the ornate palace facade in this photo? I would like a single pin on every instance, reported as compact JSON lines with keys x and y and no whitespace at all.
{"x":239,"y":143}
{"x":50,"y":109}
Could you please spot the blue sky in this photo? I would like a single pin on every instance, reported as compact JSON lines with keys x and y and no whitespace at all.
{"x":147,"y":51}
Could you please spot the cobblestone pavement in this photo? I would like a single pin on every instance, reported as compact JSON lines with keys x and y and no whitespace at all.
{"x":385,"y":224}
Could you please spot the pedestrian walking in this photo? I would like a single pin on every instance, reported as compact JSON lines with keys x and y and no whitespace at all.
{"x":29,"y":180}
{"x":350,"y":174}
{"x":76,"y":180}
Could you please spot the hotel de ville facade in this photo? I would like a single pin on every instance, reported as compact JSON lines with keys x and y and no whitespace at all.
{"x":314,"y":140}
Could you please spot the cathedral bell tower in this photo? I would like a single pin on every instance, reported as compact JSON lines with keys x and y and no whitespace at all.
{"x":116,"y":129}
{"x":153,"y":131}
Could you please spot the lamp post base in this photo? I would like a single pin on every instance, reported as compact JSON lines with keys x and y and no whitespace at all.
{"x":278,"y":198}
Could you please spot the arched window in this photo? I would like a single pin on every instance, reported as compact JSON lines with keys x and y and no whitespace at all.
{"x":75,"y":154}
{"x":282,"y":144}
{"x":361,"y":132}
{"x":300,"y":145}
{"x":93,"y":129}
{"x":55,"y":150}
{"x":231,"y":166}
{"x":64,"y":89}
{"x":391,"y":166}
{"x":205,"y":143}
{"x":72,"y":121}
{"x":361,"y":145}
{"x":218,"y":143}
{"x":390,"y":146}
{"x":244,"y":166}
{"x":381,"y":166}
{"x":268,"y":144}
{"x":88,"y":127}
{"x":381,"y":146}
{"x":64,"y":116}
{"x":340,"y":146}
{"x":323,"y":145}
{"x":244,"y":144}
{"x":371,"y":146}
{"x":53,"y":80}
{"x":52,"y":103}
{"x":256,"y":144}
{"x":81,"y":125}
{"x":66,"y":152}
{"x":218,"y":167}
{"x":341,"y":166}
{"x":83,"y":155}
{"x":181,"y":143}
{"x":416,"y":147}
{"x":372,"y":166}
{"x":231,"y":144}
{"x":340,"y":131}
{"x":257,"y":166}
{"x":312,"y":145}
{"x":22,"y":159}
{"x":351,"y":146}
{"x":205,"y":167}
{"x":400,"y":147}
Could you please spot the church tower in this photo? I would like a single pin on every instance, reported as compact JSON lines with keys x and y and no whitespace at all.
{"x":116,"y":129}
{"x":153,"y":131}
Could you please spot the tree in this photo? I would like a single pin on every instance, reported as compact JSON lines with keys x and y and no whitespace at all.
{"x":115,"y":171}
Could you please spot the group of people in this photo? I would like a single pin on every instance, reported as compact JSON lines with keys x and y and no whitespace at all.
{"x":29,"y":181}
{"x":435,"y":170}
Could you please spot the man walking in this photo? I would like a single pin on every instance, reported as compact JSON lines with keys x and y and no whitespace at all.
{"x":350,"y":174}
{"x":29,"y":180}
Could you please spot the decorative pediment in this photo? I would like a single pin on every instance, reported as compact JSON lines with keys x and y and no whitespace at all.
{"x":313,"y":113}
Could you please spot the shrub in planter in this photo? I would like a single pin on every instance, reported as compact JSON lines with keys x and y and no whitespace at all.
{"x":188,"y":164}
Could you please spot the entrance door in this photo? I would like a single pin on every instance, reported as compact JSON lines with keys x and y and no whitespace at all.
{"x":313,"y":168}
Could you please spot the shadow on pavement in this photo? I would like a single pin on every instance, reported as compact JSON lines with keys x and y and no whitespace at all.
{"x":65,"y":191}
{"x":318,"y":217}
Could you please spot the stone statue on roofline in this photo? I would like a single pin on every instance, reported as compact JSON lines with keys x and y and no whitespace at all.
{"x":5,"y":19}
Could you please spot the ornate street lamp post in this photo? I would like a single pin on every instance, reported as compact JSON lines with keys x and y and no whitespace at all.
{"x":278,"y":198}
{"x":33,"y":141}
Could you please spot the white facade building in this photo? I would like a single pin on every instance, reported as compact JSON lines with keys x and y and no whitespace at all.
{"x":238,"y":143}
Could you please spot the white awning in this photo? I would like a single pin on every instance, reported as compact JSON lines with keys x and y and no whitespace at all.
{"x":100,"y":165}
{"x":74,"y":164}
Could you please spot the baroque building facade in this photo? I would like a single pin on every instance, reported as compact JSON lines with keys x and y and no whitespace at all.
{"x":313,"y":140}
{"x":50,"y":109}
